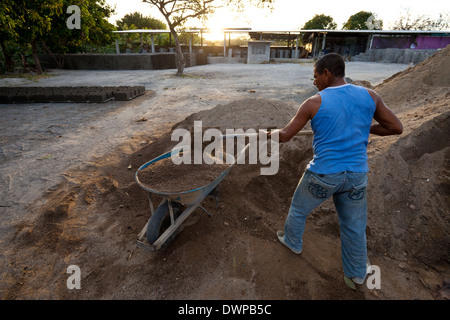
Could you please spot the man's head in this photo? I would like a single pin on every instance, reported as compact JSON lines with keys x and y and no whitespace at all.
{"x":328,"y":68}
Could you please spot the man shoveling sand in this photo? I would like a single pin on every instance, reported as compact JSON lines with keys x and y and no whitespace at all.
{"x":341,"y":118}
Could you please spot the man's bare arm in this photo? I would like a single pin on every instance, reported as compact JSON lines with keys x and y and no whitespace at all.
{"x":303,"y":115}
{"x":388,"y":123}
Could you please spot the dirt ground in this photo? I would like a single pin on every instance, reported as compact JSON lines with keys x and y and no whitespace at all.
{"x":68,"y":194}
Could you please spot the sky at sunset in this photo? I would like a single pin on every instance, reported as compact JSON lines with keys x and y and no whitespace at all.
{"x":292,"y":14}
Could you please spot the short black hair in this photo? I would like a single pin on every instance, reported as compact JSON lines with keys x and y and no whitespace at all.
{"x":333,"y":62}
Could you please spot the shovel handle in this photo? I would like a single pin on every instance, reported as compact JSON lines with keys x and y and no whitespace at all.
{"x":305,"y":133}
{"x":300,"y":133}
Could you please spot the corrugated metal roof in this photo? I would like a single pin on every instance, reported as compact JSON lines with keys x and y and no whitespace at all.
{"x":151,"y":31}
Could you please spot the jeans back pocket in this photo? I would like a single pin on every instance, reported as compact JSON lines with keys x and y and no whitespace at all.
{"x":320,"y":188}
{"x":358,"y":191}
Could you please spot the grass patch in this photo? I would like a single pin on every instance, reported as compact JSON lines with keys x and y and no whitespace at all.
{"x":27,"y":76}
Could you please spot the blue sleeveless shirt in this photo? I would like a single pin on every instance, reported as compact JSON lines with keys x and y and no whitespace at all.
{"x":341,"y":130}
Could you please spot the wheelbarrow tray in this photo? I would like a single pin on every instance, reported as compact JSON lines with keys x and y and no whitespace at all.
{"x":191,"y":199}
{"x":188,"y":197}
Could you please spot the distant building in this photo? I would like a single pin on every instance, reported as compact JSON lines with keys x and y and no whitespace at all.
{"x":392,"y":46}
{"x":354,"y":42}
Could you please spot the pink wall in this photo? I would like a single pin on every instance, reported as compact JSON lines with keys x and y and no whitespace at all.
{"x":412,"y":42}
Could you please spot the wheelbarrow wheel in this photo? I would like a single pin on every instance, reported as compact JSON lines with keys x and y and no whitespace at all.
{"x":160,"y":221}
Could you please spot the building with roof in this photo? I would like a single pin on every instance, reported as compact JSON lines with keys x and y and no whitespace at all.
{"x":393,"y":46}
{"x":396,"y":46}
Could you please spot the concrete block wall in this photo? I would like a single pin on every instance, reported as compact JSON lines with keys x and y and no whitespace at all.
{"x":392,"y":55}
{"x":132,"y":61}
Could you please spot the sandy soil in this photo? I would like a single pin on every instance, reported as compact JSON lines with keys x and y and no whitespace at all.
{"x":68,"y":195}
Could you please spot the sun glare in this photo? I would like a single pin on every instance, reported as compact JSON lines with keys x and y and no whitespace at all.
{"x":213,"y":35}
{"x":222,"y":18}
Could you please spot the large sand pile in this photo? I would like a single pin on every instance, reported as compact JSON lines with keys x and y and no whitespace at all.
{"x":409,"y":203}
{"x":419,"y":86}
{"x":244,"y":113}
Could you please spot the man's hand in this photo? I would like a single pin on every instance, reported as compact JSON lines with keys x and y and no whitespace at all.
{"x":269,"y":134}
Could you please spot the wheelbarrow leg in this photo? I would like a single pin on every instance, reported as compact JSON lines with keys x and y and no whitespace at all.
{"x":166,"y":234}
{"x":172,"y":219}
{"x":152,"y":208}
{"x":209,"y":214}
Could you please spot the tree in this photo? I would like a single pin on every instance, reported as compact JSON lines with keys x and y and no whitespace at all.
{"x":10,"y":21}
{"x":176,"y":12}
{"x":140,"y":22}
{"x":36,"y":19}
{"x":34,"y":23}
{"x":320,"y":21}
{"x":421,"y":22}
{"x":136,"y":20}
{"x":95,"y":30}
{"x":363,"y":20}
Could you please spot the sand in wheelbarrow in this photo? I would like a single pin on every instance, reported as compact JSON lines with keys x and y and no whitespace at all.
{"x":166,"y":176}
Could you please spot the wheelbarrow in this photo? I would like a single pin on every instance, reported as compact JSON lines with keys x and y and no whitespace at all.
{"x":166,"y":219}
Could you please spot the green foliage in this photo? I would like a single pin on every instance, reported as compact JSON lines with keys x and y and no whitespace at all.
{"x":43,"y":24}
{"x":36,"y":17}
{"x":23,"y":22}
{"x":320,"y":21}
{"x":138,"y":21}
{"x":363,"y":20}
{"x":9,"y":20}
{"x":95,"y":30}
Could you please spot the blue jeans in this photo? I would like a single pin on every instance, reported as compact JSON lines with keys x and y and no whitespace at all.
{"x":349,"y":191}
